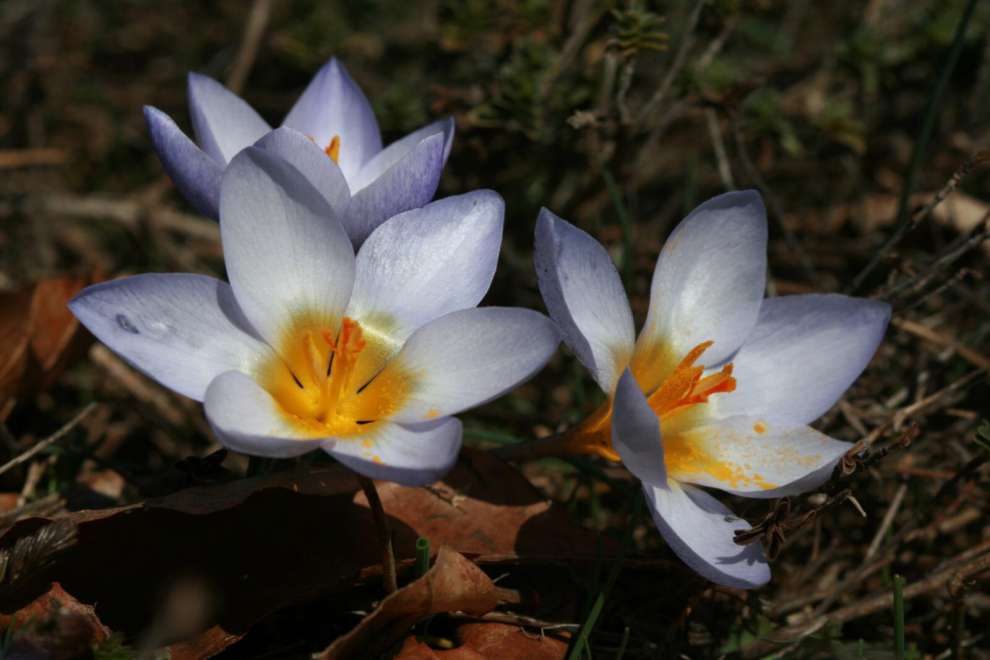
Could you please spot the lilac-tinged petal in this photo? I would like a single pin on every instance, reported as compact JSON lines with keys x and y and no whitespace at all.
{"x":408,"y":184}
{"x":333,"y":105}
{"x":700,"y":530}
{"x":636,"y":433}
{"x":247,"y":419}
{"x":467,"y":358}
{"x":411,"y":455}
{"x":583,"y":292}
{"x":393,"y":153}
{"x":754,"y":457}
{"x":195,"y":174}
{"x":223,"y":122}
{"x":804,"y":352}
{"x":181,"y":330}
{"x":318,"y":168}
{"x":285,"y":251}
{"x":707,"y":285}
{"x":428,"y":262}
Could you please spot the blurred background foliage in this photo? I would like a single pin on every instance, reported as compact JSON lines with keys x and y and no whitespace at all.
{"x":619,"y":116}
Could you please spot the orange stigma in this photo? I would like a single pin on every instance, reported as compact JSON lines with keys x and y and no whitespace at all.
{"x":685,"y":387}
{"x":333,"y":149}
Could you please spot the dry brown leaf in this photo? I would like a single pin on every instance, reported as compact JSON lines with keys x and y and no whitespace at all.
{"x":39,"y":337}
{"x":500,"y":640}
{"x":205,"y":645}
{"x":267,"y":543}
{"x":55,"y":625}
{"x":453,"y":584}
{"x":14,"y":324}
{"x":486,"y":641}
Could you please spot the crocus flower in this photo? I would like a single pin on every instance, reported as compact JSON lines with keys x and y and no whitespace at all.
{"x":310,"y":346}
{"x":720,"y":386}
{"x":330,"y":135}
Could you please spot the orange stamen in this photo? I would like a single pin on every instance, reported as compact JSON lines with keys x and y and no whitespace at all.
{"x":333,"y":149}
{"x":685,"y":387}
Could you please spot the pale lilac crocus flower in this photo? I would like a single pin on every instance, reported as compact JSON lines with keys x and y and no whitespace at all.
{"x":330,"y":135}
{"x":366,"y":356}
{"x":720,"y":386}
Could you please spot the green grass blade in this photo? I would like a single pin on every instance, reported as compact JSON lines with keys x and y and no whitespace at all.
{"x":899,"y":617}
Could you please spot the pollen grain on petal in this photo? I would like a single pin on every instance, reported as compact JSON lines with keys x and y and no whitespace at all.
{"x":691,"y":455}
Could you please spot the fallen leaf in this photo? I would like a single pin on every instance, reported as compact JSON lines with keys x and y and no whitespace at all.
{"x":500,"y":640}
{"x":485,"y":641}
{"x":14,"y":333}
{"x":55,"y":625}
{"x":39,"y":337}
{"x":453,"y":584}
{"x":205,"y":645}
{"x":266,"y":543}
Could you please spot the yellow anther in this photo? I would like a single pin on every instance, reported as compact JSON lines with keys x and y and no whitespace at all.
{"x":333,"y":149}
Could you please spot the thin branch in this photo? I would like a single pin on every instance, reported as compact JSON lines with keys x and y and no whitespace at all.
{"x":921,"y":331}
{"x":956,"y":572}
{"x":715,"y":132}
{"x":50,"y":440}
{"x":679,"y":59}
{"x":253,"y":31}
{"x":904,"y":222}
{"x":888,"y":520}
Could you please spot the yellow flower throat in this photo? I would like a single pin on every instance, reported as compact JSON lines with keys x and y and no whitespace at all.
{"x":335,"y":384}
{"x":679,"y":395}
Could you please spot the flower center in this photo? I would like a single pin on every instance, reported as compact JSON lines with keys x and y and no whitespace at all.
{"x":676,"y":399}
{"x":330,"y":384}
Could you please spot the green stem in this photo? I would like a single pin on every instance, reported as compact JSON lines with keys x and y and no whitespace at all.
{"x":422,"y":556}
{"x":624,"y":222}
{"x":384,"y":535}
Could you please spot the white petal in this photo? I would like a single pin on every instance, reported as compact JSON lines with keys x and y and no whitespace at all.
{"x":466,"y":358}
{"x":333,"y":105}
{"x":318,"y":168}
{"x":224,"y":123}
{"x":393,"y":153}
{"x":636,"y":433}
{"x":754,"y":457}
{"x":286,"y":253}
{"x":803,"y":354}
{"x":699,"y":529}
{"x":708,"y":282}
{"x":584,"y":294}
{"x":182,"y":330}
{"x":428,"y":262}
{"x":194,"y":173}
{"x":411,"y":455}
{"x":408,"y":184}
{"x":246,"y":419}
